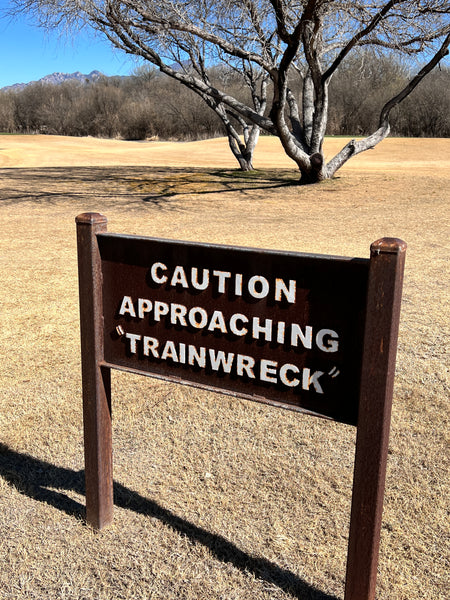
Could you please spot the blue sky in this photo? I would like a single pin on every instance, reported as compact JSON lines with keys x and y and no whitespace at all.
{"x":28,"y":53}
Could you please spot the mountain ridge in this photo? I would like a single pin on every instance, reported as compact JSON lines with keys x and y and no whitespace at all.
{"x":56,"y":79}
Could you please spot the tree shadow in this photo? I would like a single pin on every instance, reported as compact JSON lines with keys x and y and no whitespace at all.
{"x":39,"y":480}
{"x":158,"y":187}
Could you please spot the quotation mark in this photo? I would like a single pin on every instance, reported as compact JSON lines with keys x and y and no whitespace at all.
{"x":334,"y":372}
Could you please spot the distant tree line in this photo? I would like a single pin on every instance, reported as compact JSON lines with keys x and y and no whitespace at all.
{"x":362,"y":86}
{"x":136,"y":107}
{"x":151,"y":105}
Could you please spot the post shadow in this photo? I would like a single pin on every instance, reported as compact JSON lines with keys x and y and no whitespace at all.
{"x":33,"y":478}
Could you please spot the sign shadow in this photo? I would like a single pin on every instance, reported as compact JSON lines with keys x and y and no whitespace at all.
{"x":39,"y":480}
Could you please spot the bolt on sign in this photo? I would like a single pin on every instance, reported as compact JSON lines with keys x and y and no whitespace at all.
{"x":311,"y":333}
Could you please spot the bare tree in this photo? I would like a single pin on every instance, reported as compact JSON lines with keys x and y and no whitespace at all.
{"x":191,"y":59}
{"x":8,"y":122}
{"x":303,"y":41}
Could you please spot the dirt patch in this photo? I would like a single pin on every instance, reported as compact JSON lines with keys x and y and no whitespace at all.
{"x":215,"y":498}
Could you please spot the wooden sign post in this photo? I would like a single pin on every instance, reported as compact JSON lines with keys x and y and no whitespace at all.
{"x":311,"y":333}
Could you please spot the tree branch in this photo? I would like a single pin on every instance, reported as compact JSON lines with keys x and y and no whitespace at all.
{"x":440,"y":54}
{"x":361,"y":34}
{"x":356,"y":147}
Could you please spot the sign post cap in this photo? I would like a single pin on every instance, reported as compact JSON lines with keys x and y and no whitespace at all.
{"x":388,"y":246}
{"x":91,"y":218}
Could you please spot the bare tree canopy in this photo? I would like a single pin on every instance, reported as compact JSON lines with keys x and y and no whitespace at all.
{"x":297,"y":45}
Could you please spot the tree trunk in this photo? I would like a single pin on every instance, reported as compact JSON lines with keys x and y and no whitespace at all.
{"x":308,"y":107}
{"x":243,"y":153}
{"x":314,"y":172}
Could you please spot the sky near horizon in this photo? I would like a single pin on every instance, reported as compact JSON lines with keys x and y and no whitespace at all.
{"x":28,"y":53}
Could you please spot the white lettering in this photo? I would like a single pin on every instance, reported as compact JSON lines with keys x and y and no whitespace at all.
{"x":154,"y":273}
{"x":144,"y":306}
{"x":219,"y":360}
{"x":245,"y":363}
{"x":258,"y":286}
{"x":178,"y":313}
{"x":268,"y":371}
{"x":265,"y":329}
{"x":133,"y":337}
{"x":194,"y":279}
{"x":182,"y":353}
{"x":309,"y":379}
{"x":150,"y":345}
{"x":169,"y":351}
{"x":284,"y":378}
{"x":160,"y":309}
{"x":222,"y":275}
{"x":332,"y":343}
{"x":264,"y":284}
{"x":179,"y":277}
{"x":238,"y":284}
{"x":306,"y":338}
{"x":194,"y":356}
{"x":217,"y":322}
{"x":281,"y":288}
{"x":281,"y":329}
{"x":233,"y":326}
{"x":127,"y":307}
{"x":197,"y":310}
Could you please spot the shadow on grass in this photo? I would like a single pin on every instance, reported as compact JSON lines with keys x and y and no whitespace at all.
{"x":158,"y":187}
{"x":39,"y":480}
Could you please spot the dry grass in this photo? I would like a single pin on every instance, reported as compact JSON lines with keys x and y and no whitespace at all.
{"x":215,"y":498}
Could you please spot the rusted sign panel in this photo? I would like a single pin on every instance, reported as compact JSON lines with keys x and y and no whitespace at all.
{"x":282,"y":328}
{"x":307,"y":332}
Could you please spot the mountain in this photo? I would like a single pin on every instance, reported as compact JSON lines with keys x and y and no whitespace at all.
{"x":56,"y":79}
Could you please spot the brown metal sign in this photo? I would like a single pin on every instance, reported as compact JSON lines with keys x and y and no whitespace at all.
{"x":312,"y":333}
{"x":282,"y":328}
